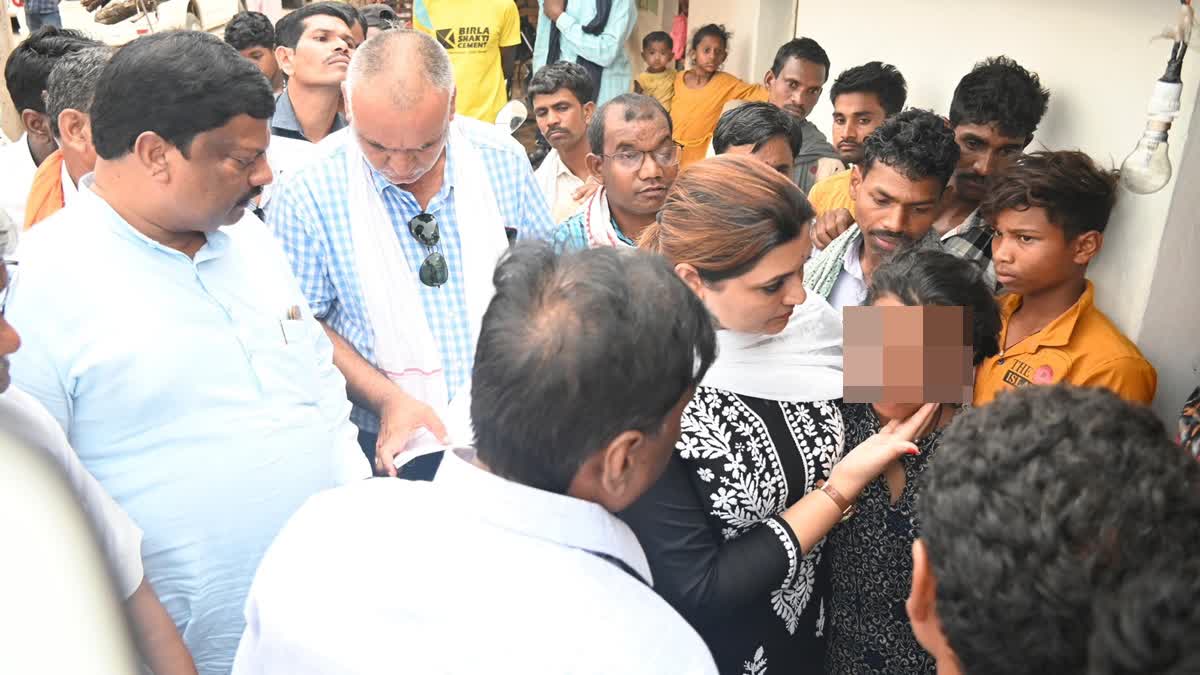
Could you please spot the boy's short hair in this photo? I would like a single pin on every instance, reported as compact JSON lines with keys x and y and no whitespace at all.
{"x":657,"y":36}
{"x":290,"y":28}
{"x":754,"y":124}
{"x":250,"y":29}
{"x":1075,"y":192}
{"x":999,"y":91}
{"x":881,"y":79}
{"x":1037,"y":504}
{"x":562,"y":75}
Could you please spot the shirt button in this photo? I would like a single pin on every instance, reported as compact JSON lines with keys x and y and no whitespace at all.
{"x":1000,"y":362}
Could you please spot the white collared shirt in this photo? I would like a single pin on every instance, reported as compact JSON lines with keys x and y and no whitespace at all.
{"x":69,"y":188}
{"x":471,"y":573}
{"x":16,"y":177}
{"x":558,"y":184}
{"x":850,"y":289}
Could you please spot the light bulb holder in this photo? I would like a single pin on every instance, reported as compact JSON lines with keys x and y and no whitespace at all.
{"x":1164,"y":101}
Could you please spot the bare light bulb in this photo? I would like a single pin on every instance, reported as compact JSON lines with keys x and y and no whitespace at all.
{"x":1148,"y":168}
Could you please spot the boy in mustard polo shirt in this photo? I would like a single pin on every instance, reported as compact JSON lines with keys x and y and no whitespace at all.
{"x":1049,"y":212}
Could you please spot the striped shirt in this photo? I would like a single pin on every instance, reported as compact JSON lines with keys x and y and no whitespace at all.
{"x":310,"y":216}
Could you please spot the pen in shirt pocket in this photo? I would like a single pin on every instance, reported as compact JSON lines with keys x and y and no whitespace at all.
{"x":293,"y":314}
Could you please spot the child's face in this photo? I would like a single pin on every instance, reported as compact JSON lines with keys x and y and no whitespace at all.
{"x":1032,"y":254}
{"x":710,"y":54}
{"x":657,"y":57}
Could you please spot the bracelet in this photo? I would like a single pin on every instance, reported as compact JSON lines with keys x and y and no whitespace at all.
{"x":844,"y":505}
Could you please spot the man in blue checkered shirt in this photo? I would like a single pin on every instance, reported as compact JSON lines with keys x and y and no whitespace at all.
{"x":40,"y":13}
{"x":396,"y":230}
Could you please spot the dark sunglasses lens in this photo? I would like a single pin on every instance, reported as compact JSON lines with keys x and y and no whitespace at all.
{"x":425,"y":229}
{"x":434,"y":271}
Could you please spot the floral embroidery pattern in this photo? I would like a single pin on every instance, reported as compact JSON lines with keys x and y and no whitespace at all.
{"x":730,"y":447}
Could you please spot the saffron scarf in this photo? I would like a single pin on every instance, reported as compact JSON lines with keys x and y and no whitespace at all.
{"x":46,"y":194}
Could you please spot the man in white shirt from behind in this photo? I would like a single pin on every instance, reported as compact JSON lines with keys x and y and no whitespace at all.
{"x":510,"y":560}
{"x":564,"y":100}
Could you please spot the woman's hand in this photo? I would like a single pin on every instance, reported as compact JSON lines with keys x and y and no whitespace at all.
{"x":864,"y":463}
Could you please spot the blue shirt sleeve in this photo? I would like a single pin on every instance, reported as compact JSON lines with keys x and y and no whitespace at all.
{"x":293,"y":218}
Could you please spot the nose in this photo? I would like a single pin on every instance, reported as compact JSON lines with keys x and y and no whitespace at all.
{"x":10,"y":341}
{"x":650,"y":168}
{"x":262,"y":174}
{"x":399,"y":164}
{"x":794,"y":292}
{"x":985,"y":162}
{"x":893,"y":219}
{"x":1001,"y":251}
{"x":552,"y":120}
{"x":851,"y":130}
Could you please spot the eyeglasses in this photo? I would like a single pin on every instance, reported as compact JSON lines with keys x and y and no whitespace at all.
{"x":10,"y":273}
{"x":424,"y":228}
{"x":631,"y":160}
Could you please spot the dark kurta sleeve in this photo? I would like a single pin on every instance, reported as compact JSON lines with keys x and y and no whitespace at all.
{"x":703,"y":576}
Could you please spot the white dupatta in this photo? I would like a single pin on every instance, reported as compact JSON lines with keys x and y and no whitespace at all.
{"x":405,"y":350}
{"x":800,"y":364}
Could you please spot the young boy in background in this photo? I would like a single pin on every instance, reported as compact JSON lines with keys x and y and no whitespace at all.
{"x":659,"y":79}
{"x":253,"y":35}
{"x":1049,"y":212}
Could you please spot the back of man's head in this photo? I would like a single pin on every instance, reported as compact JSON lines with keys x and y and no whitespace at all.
{"x":177,"y":84}
{"x":563,"y":75}
{"x":72,"y":83}
{"x":878,"y":78}
{"x":915,"y":143}
{"x":631,"y":107}
{"x":250,"y":29}
{"x":30,"y":64}
{"x":576,"y":350}
{"x":998,"y":91}
{"x":289,"y":29}
{"x":754,"y":124}
{"x":1150,"y":624}
{"x":800,"y":48}
{"x":1035,"y":505}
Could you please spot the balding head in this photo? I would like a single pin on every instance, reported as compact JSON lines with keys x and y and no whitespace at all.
{"x":404,"y":63}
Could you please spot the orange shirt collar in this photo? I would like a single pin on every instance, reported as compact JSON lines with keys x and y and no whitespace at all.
{"x":1056,"y":333}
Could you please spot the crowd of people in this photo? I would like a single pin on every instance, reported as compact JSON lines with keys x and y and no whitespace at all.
{"x":347,"y":384}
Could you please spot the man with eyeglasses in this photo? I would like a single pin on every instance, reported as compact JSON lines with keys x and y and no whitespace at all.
{"x":636,"y":160}
{"x":395,"y":235}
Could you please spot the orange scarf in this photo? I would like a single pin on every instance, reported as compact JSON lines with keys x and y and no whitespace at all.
{"x":46,"y":194}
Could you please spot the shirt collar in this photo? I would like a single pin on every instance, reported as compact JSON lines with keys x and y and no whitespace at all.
{"x":68,"y":186}
{"x":529,"y":512}
{"x":1058,"y":332}
{"x":285,"y":123}
{"x":973,"y":221}
{"x":852,"y":261}
{"x":216,"y":245}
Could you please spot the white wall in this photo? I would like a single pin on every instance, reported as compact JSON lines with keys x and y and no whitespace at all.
{"x":1096,"y":59}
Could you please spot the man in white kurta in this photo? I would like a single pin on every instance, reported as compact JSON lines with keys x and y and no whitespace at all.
{"x":178,"y":355}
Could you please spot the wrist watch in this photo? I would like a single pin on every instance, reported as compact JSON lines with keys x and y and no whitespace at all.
{"x":845,"y":505}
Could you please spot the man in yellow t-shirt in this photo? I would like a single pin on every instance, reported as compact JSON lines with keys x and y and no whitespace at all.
{"x":863,"y":97}
{"x":481,"y":37}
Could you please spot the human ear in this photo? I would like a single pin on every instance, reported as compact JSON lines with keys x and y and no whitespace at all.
{"x":283,"y":56}
{"x":1086,"y":246}
{"x":151,"y":150}
{"x":856,"y":179}
{"x":73,"y":129}
{"x":593,"y":165}
{"x":691,"y":278}
{"x":37,"y":124}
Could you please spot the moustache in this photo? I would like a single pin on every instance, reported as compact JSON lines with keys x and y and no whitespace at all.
{"x":899,"y":237}
{"x":251,"y":196}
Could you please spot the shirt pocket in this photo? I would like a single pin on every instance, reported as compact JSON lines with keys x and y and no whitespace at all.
{"x":283,"y":355}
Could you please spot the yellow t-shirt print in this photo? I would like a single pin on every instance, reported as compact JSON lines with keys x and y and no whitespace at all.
{"x":473,"y":32}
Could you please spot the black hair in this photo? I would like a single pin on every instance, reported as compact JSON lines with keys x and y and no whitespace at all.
{"x":657,"y":36}
{"x":924,"y":276}
{"x":379,"y":16}
{"x":636,"y":106}
{"x":916,"y":143}
{"x":800,"y":48}
{"x":72,"y":83}
{"x":608,"y":331}
{"x":1075,"y":192}
{"x":29,"y":65}
{"x":289,"y":29}
{"x":250,"y":29}
{"x":755,"y":124}
{"x":711,"y":30}
{"x":1037,"y":504}
{"x":999,"y":91}
{"x":177,"y":84}
{"x":876,"y":77}
{"x":1149,"y":625}
{"x":563,"y":75}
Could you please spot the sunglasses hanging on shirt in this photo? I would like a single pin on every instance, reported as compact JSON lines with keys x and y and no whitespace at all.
{"x":424,"y":228}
